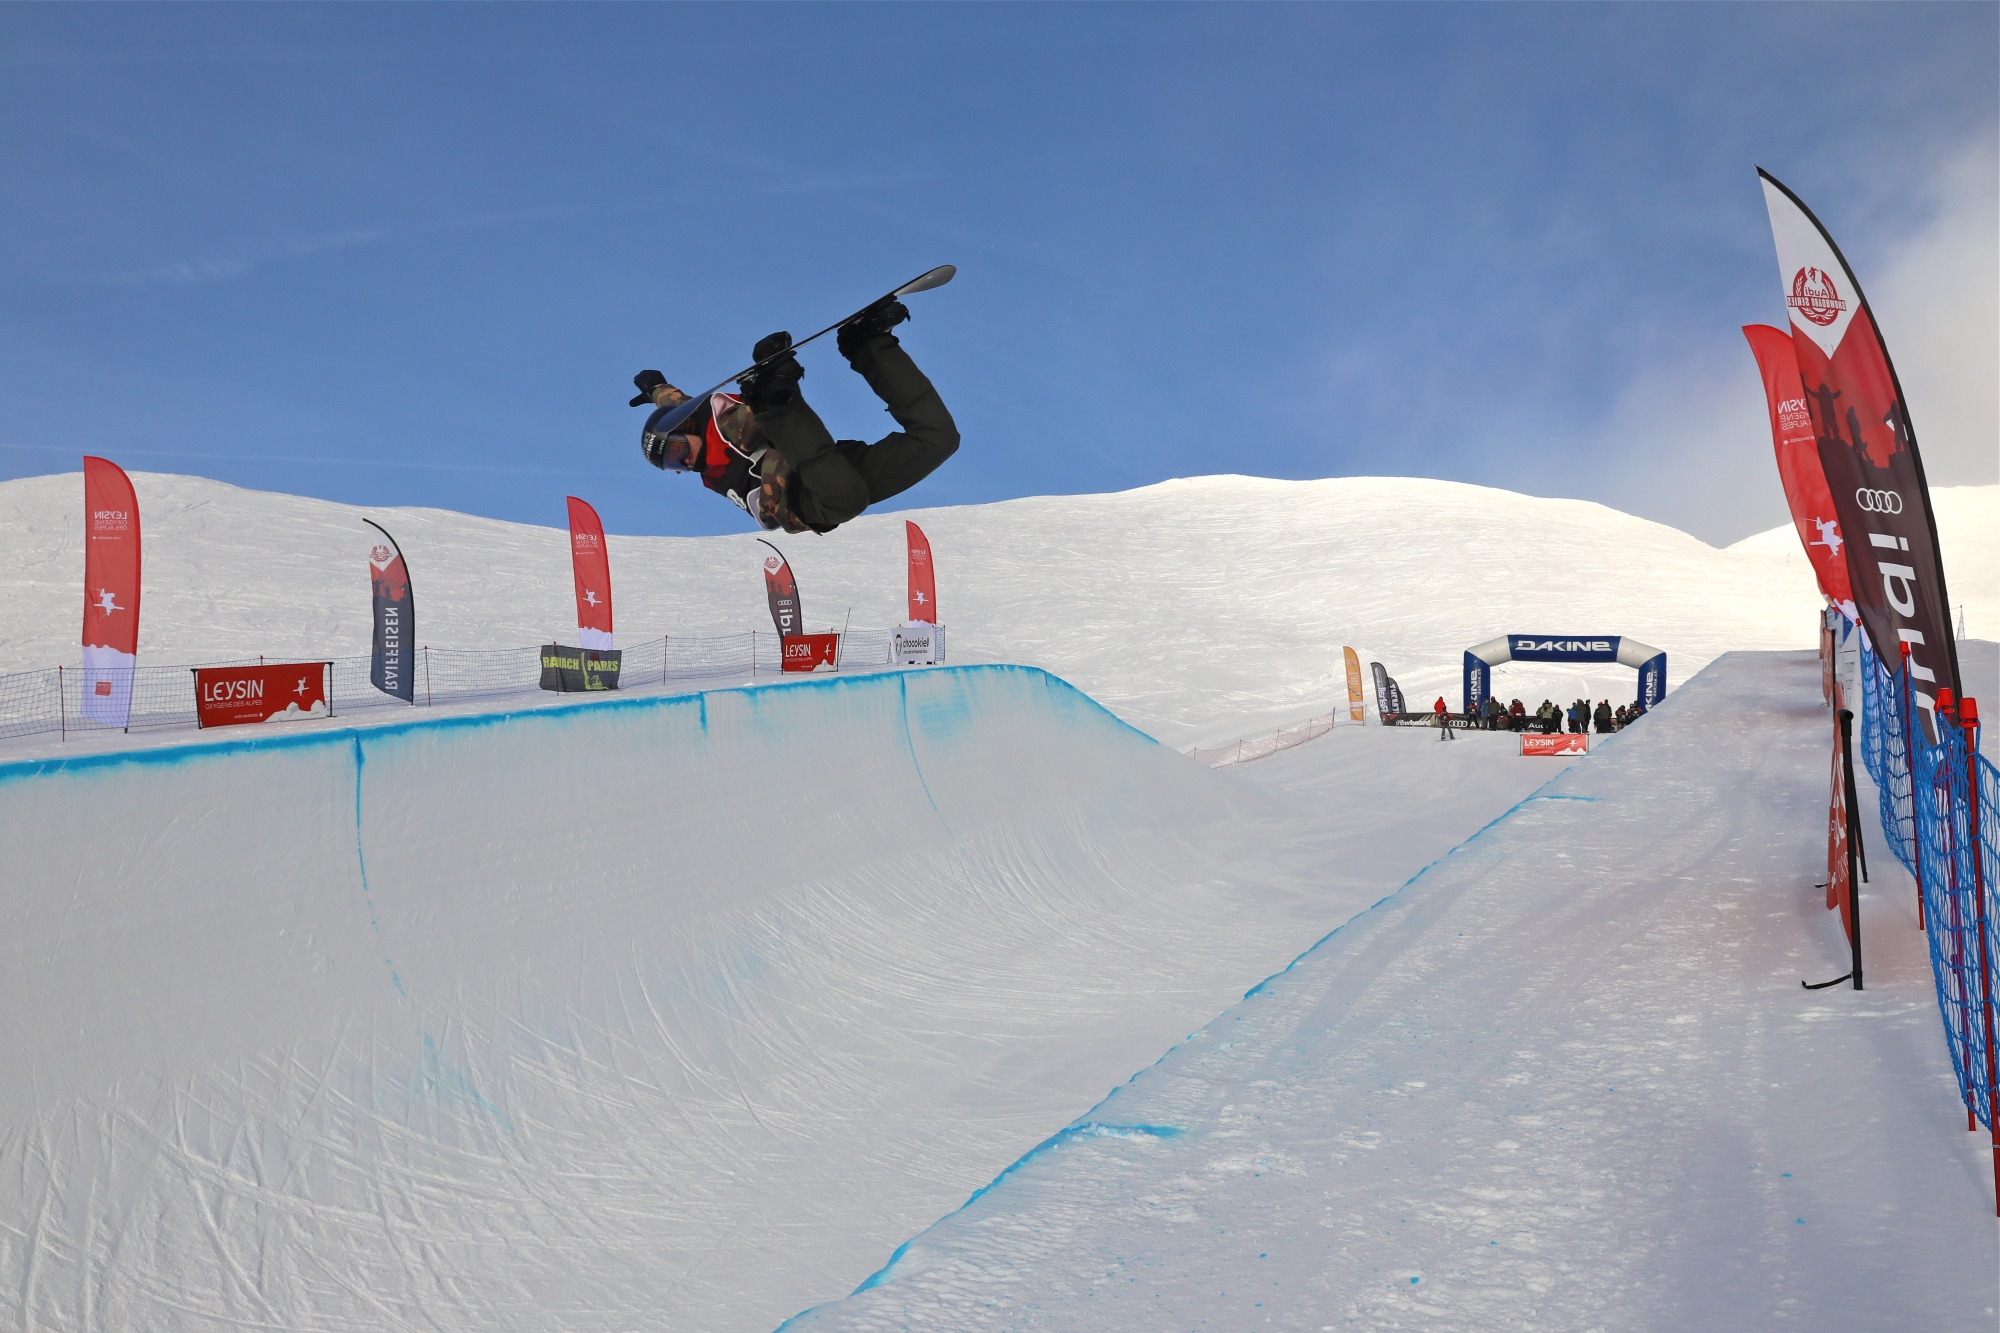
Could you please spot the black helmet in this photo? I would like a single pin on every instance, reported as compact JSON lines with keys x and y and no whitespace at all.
{"x":673,"y":436}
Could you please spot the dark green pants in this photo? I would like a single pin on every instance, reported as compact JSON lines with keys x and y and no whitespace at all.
{"x":837,"y":479}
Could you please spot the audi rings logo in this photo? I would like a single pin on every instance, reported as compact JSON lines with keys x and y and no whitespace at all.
{"x":1879,"y":502}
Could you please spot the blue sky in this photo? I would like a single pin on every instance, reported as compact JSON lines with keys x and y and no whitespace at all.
{"x":413,"y":254}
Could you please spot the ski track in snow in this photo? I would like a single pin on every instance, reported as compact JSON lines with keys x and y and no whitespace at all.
{"x":1563,"y":1080}
{"x":1200,"y":610}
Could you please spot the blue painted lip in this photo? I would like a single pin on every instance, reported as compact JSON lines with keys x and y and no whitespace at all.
{"x":170,"y":755}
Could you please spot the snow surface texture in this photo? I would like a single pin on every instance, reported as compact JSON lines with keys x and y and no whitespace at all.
{"x":1565,"y":1079}
{"x":649,"y":1013}
{"x":1200,"y":610}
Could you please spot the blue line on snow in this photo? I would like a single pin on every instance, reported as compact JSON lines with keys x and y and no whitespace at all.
{"x":173,"y":755}
{"x":361,"y":863}
{"x":1090,"y":1127}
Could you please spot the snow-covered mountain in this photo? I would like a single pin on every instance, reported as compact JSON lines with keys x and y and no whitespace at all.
{"x":1199,"y":609}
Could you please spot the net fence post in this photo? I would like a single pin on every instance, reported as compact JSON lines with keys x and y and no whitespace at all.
{"x":1910,"y":767}
{"x":1968,"y":713}
{"x":427,"y":675}
{"x":62,"y":709}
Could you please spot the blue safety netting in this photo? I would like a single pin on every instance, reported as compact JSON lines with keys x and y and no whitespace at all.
{"x":1946,"y":832}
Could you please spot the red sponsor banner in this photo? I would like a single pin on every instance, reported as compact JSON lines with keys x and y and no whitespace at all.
{"x":810,"y":652}
{"x":591,"y":564}
{"x":1799,"y":471}
{"x":110,"y":591}
{"x":923,"y":576}
{"x":1867,"y":453}
{"x":1568,"y":743}
{"x":1838,"y":886}
{"x":227,"y":696}
{"x":781,"y":590}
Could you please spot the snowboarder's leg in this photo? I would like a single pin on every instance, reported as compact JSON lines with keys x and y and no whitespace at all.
{"x":829,"y":489}
{"x":928,"y":436}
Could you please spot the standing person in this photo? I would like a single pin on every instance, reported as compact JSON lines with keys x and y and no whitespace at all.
{"x":1582,"y":716}
{"x":770,"y":454}
{"x":1603,"y":717}
{"x":1443,"y":715}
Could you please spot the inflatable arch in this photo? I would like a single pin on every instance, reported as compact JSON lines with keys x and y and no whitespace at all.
{"x":1649,"y":661}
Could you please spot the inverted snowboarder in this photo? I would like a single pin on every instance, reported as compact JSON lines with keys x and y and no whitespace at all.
{"x":768,"y":451}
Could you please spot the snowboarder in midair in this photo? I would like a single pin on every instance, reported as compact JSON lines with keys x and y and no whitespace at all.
{"x":768,"y":451}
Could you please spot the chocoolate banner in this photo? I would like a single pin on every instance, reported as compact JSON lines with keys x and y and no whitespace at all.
{"x":110,"y":592}
{"x":1868,"y":452}
{"x":393,"y":667}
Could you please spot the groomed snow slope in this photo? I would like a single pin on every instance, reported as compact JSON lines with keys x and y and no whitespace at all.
{"x":657,"y":1012}
{"x":1564,"y":1080}
{"x":1198,"y":610}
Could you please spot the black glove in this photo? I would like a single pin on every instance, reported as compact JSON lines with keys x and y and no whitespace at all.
{"x":872,"y":323}
{"x":647,"y":381}
{"x":775,"y":383}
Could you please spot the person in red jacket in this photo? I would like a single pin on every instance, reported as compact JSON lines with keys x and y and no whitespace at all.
{"x":1443,"y":716}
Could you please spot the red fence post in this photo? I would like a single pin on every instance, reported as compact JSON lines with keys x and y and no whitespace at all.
{"x":1910,"y":767}
{"x":1968,"y":716}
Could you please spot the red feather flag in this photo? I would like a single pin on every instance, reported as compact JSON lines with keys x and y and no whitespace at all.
{"x":923,"y":577}
{"x":591,"y":564}
{"x":110,"y":592}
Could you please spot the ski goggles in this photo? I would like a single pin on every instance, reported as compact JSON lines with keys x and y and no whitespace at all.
{"x":678,"y":450}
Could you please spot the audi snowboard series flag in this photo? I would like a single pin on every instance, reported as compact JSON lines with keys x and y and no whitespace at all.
{"x":110,"y":592}
{"x":783,"y":593}
{"x":1799,"y":471}
{"x":923,"y":578}
{"x":1868,"y":453}
{"x":393,"y":669}
{"x":591,"y":564}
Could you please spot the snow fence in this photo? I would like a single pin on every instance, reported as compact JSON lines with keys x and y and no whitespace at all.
{"x":48,"y":702}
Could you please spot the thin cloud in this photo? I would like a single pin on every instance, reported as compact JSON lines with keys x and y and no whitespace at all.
{"x":1696,"y":436}
{"x":218,"y":268}
{"x":318,"y":460}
